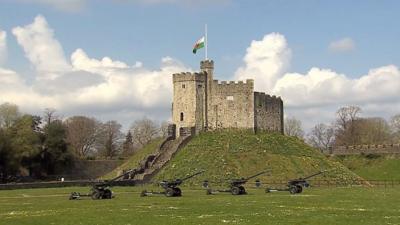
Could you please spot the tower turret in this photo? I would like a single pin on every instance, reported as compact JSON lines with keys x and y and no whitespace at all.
{"x":207,"y":66}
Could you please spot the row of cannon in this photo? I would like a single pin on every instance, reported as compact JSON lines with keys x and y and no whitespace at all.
{"x":170,"y":188}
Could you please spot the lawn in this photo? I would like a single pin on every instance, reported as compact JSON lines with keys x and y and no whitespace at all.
{"x":356,"y":205}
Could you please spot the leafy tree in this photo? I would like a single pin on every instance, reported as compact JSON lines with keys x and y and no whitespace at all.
{"x":82,"y":133}
{"x":128,"y":145}
{"x":8,"y":164}
{"x":293,"y":127}
{"x":55,"y":152}
{"x":26,"y":142}
{"x":9,"y":113}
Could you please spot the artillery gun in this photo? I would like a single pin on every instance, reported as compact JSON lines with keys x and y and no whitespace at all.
{"x":295,"y":186}
{"x":171,"y":188}
{"x":235,"y":186}
{"x":101,"y":190}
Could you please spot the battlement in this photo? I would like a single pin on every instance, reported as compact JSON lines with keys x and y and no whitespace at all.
{"x":188,"y":76}
{"x":207,"y":64}
{"x":366,"y":149}
{"x":262,"y":100}
{"x":234,"y":85}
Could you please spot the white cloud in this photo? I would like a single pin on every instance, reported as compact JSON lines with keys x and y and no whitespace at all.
{"x":342,"y":45}
{"x":319,"y":92}
{"x":3,"y":46}
{"x":64,"y":5}
{"x":41,"y":48}
{"x":112,"y":89}
{"x":265,"y":61}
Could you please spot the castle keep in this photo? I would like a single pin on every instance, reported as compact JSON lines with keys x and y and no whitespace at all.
{"x":202,"y":103}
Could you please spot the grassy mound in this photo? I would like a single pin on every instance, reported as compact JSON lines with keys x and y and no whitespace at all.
{"x":240,"y":153}
{"x":133,"y":161}
{"x":373,"y":167}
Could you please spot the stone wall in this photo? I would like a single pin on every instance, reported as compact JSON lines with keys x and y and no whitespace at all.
{"x":365,"y":149}
{"x":188,"y":102}
{"x":268,"y":113}
{"x":232,"y":105}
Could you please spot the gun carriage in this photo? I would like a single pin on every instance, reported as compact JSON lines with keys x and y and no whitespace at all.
{"x":171,"y":188}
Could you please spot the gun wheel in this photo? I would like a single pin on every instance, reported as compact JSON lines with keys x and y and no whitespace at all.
{"x":299,"y":189}
{"x":235,"y":191}
{"x":169,"y":192}
{"x":107,"y":194}
{"x":293,"y":190}
{"x":95,"y":195}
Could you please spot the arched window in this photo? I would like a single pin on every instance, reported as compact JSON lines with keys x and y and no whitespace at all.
{"x":181,"y":116}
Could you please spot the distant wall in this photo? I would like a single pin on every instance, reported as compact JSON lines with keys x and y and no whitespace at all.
{"x":268,"y":112}
{"x":365,"y":149}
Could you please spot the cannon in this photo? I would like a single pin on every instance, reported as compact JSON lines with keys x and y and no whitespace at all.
{"x":101,"y":190}
{"x":171,"y":188}
{"x":235,"y":186}
{"x":295,"y":186}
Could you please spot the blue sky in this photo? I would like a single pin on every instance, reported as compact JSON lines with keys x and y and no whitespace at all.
{"x":366,"y":34}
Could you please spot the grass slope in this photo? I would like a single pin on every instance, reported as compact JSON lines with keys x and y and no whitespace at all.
{"x":354,"y":206}
{"x":239,"y":153}
{"x":134,"y":160}
{"x":373,"y":167}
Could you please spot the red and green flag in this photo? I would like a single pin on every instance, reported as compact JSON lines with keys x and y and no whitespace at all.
{"x":199,"y":44}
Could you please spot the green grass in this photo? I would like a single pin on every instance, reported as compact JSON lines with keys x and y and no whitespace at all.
{"x":373,"y":167}
{"x":238,"y":153}
{"x":134,"y":160}
{"x":315,"y":206}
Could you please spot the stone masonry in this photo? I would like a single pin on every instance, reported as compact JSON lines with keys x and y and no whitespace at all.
{"x":202,"y":103}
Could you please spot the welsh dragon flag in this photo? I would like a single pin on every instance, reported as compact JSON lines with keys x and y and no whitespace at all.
{"x":199,"y":44}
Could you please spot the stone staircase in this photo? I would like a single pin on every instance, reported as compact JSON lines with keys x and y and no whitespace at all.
{"x":152,"y":164}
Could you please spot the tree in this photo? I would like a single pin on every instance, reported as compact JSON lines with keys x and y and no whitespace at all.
{"x":109,"y":140}
{"x":143,"y":131}
{"x":322,"y":137}
{"x":293,"y":127}
{"x":55,"y":152}
{"x":128,"y":145}
{"x":346,"y":131}
{"x":82,"y":133}
{"x":8,"y":163}
{"x":26,"y":142}
{"x":372,"y":131}
{"x":9,"y":113}
{"x":164,"y":129}
{"x":395,"y":128}
{"x":50,"y":115}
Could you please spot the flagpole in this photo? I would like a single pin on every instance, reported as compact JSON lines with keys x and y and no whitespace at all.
{"x":206,"y":40}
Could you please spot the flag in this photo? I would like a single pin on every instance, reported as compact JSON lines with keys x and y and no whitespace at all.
{"x":199,"y":44}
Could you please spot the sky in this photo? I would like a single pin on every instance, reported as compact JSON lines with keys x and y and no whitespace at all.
{"x":113,"y":60}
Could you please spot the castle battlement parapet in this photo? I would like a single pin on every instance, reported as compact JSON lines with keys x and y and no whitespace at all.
{"x":366,"y":149}
{"x":208,"y":104}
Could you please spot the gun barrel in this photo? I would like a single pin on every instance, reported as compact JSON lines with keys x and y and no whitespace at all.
{"x":190,"y":176}
{"x":118,"y":177}
{"x":256,"y":175}
{"x":313,"y":175}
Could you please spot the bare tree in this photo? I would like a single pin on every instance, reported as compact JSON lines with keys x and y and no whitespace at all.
{"x":82,"y":133}
{"x":9,"y":113}
{"x":293,"y":127}
{"x":164,"y":129}
{"x":346,"y":126}
{"x":50,"y":115}
{"x":110,"y":138}
{"x":372,"y":131}
{"x":143,"y":131}
{"x":322,"y":137}
{"x":395,"y":128}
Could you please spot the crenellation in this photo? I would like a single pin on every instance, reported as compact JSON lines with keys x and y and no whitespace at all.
{"x":222,"y":104}
{"x":366,"y":149}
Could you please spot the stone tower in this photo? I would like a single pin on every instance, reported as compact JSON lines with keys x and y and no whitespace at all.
{"x":202,"y":103}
